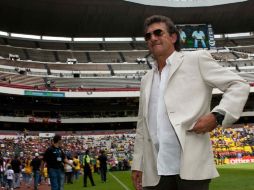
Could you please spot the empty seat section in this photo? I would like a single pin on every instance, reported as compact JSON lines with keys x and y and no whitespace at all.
{"x":6,"y":50}
{"x":79,"y":67}
{"x":53,"y":45}
{"x":64,"y":55}
{"x":224,"y":43}
{"x":21,"y":79}
{"x":132,"y":56}
{"x":245,"y":49}
{"x":95,"y":83}
{"x":140,"y":46}
{"x":123,"y":67}
{"x":117,"y":46}
{"x":22,"y":43}
{"x":105,"y":57}
{"x":2,"y":41}
{"x":41,"y":55}
{"x":244,"y":42}
{"x":80,"y":56}
{"x":223,"y":55}
{"x":85,"y":46}
{"x":30,"y":65}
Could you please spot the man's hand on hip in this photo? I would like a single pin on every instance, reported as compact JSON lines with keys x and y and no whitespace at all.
{"x":137,"y":179}
{"x":205,"y":124}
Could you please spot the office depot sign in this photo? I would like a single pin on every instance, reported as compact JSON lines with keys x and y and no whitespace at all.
{"x":241,"y":160}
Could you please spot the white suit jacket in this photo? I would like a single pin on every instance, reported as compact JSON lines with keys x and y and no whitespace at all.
{"x":192,"y":77}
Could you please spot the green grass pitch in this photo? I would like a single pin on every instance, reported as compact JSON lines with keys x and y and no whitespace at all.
{"x":239,"y":176}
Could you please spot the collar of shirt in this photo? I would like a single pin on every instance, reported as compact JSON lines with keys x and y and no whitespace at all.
{"x":168,"y":61}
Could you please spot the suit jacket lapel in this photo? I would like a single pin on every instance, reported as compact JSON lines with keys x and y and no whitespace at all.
{"x":147,"y":89}
{"x":176,"y":62}
{"x":178,"y":59}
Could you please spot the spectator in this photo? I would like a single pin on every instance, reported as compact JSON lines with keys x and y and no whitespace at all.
{"x":103,"y":166}
{"x":55,"y":159}
{"x":28,"y":172}
{"x":10,"y":177}
{"x":36,"y":164}
{"x":1,"y":171}
{"x":68,"y":171}
{"x":16,"y":166}
{"x":76,"y":163}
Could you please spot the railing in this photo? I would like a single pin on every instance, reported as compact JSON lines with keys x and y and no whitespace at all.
{"x":20,"y":86}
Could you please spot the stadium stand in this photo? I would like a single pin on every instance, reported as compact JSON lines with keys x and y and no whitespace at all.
{"x":117,"y":46}
{"x":93,"y":100}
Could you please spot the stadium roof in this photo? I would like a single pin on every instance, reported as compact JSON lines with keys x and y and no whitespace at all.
{"x":115,"y":18}
{"x":185,"y":3}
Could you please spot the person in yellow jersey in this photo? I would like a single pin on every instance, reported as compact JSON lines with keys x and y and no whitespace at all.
{"x":28,"y":172}
{"x":97,"y":165}
{"x":76,"y":163}
{"x":45,"y":175}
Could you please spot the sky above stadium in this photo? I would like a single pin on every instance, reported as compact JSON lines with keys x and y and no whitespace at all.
{"x":185,"y":3}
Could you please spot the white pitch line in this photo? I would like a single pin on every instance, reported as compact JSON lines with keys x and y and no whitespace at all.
{"x":119,"y":181}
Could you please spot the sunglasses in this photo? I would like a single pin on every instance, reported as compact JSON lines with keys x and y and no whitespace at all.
{"x":157,"y":33}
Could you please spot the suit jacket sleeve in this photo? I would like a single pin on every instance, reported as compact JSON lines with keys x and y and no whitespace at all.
{"x":235,"y":89}
{"x":138,"y":146}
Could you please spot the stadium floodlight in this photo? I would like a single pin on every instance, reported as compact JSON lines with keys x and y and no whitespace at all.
{"x":140,"y":39}
{"x":218,"y":36}
{"x":87,"y":39}
{"x":245,"y":34}
{"x":2,"y":33}
{"x":118,"y":39}
{"x":27,"y":36}
{"x":54,"y":38}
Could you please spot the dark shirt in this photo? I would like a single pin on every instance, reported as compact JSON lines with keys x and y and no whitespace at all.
{"x":1,"y":161}
{"x":16,"y":164}
{"x":54,"y":157}
{"x":36,"y":164}
{"x":1,"y":165}
{"x":103,"y":161}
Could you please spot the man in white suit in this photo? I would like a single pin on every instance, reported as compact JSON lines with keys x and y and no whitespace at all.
{"x":172,"y":146}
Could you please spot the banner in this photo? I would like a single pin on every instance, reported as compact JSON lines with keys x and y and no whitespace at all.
{"x":249,"y":159}
{"x":44,"y":93}
{"x":46,"y":135}
{"x":43,"y":120}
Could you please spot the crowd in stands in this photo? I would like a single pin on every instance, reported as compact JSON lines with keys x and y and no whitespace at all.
{"x":227,"y":143}
{"x":24,"y":148}
{"x":232,"y":143}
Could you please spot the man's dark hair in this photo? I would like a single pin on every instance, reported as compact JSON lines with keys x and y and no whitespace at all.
{"x":170,"y":27}
{"x":57,"y":138}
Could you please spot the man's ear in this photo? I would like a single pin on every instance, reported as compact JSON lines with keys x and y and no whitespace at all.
{"x":173,"y":37}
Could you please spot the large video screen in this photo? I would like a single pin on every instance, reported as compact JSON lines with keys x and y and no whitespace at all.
{"x":196,"y":36}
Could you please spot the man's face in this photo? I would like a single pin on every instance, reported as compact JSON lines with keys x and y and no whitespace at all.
{"x":59,"y":143}
{"x":160,"y":43}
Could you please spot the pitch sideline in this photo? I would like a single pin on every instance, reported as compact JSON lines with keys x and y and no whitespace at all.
{"x":119,"y":181}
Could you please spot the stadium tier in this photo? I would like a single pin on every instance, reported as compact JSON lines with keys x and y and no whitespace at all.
{"x":74,"y":87}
